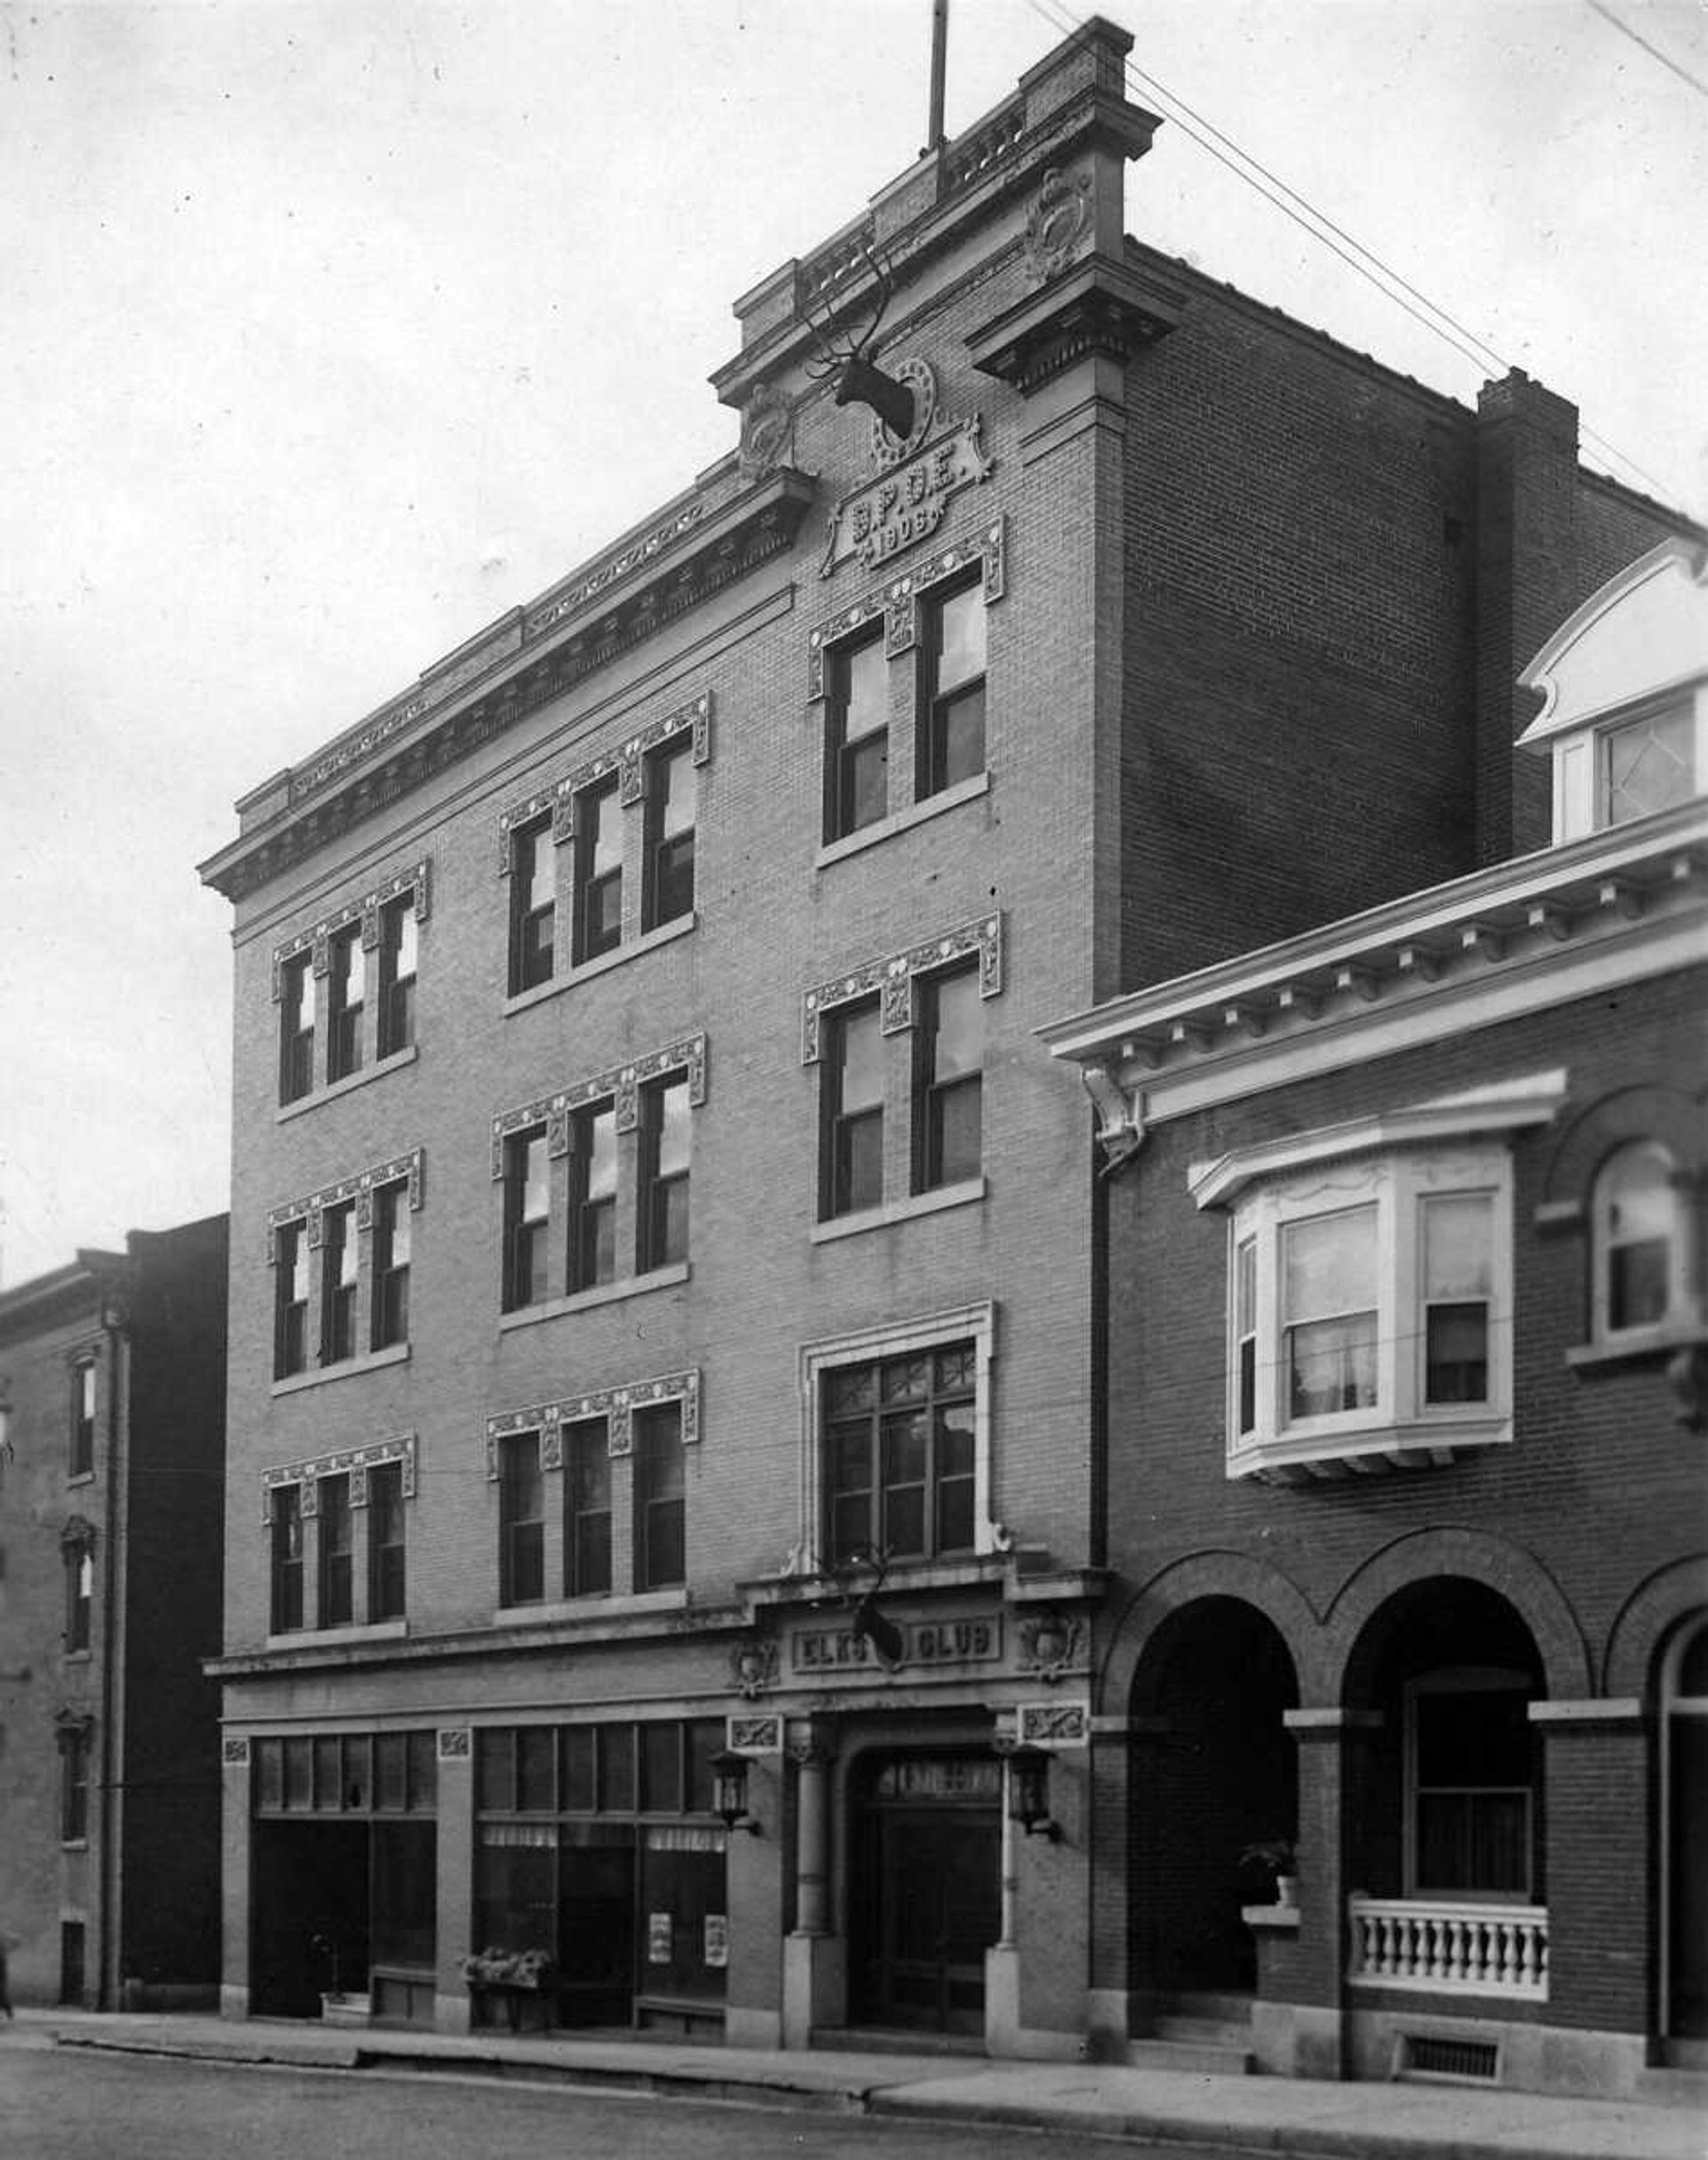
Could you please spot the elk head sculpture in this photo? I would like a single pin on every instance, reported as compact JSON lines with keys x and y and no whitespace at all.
{"x":865,"y":1620}
{"x":859,"y":381}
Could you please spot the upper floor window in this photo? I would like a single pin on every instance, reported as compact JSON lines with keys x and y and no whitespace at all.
{"x":670,"y":792}
{"x":521,"y":1520}
{"x":660,"y":1498}
{"x":1640,"y":1229}
{"x":346,"y":994}
{"x":948,"y":1036}
{"x":1646,"y":764}
{"x":386,"y":1569}
{"x":74,"y":1780}
{"x":663,"y":1173}
{"x":527,"y":1201}
{"x":898,"y":1438}
{"x":290,"y":1298}
{"x":951,"y":722}
{"x":78,"y":1552}
{"x":586,"y":1508}
{"x":592,"y":1196}
{"x":391,"y":1284}
{"x":857,"y":735}
{"x":337,"y":1578}
{"x":851,"y":1111}
{"x":296,"y":1028}
{"x":81,"y":1461}
{"x":287,"y":1560}
{"x":599,"y":871}
{"x":340,"y":1259}
{"x":533,"y":904}
{"x":1369,"y":1306}
{"x":398,"y":962}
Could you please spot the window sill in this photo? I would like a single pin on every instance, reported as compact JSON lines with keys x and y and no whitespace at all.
{"x":588,"y":1301}
{"x":597,"y":1608}
{"x":77,"y":1657}
{"x":74,"y":1844}
{"x":320,"y":1638}
{"x":968,"y":1191}
{"x":631,"y":950}
{"x":316,"y":1096}
{"x":80,"y":1477}
{"x":370,"y":1361}
{"x":1638,"y":1343}
{"x":899,"y":821}
{"x":1365,"y":1448}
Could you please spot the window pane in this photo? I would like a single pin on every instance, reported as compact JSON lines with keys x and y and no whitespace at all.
{"x":1333,"y":1365}
{"x":1637,"y":1285}
{"x":599,"y":1127}
{"x":661,"y":1768}
{"x":961,"y":621}
{"x":1457,"y":1237}
{"x":580,"y":1791}
{"x":1457,"y":1354}
{"x":672,"y":1128}
{"x":676,"y":780}
{"x":905,"y":1447}
{"x":1329,"y":1264}
{"x":536,"y":1763}
{"x":864,"y":687}
{"x":616,"y":1767}
{"x":1650,"y":765}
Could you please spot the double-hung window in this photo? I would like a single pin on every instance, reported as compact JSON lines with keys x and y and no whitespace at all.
{"x":592,"y":1196}
{"x":1370,"y":1285}
{"x":1638,"y":1236}
{"x":521,"y":1520}
{"x":533,"y":904}
{"x":900,"y":1456}
{"x":337,"y":1578}
{"x":397,"y":972}
{"x":660,"y":1498}
{"x":1470,"y":1761}
{"x":79,"y":1555}
{"x":857,"y":741}
{"x":290,"y":1298}
{"x":346,"y":992}
{"x":948,"y":1035}
{"x":664,"y":1181}
{"x":74,"y":1783}
{"x":296,"y":1028}
{"x":527,"y":1202}
{"x":287,"y":1560}
{"x":669,"y":814}
{"x":81,"y":1461}
{"x":851,"y":1099}
{"x":386,"y":1572}
{"x":951,"y":724}
{"x":391,"y":1285}
{"x":586,"y":1508}
{"x":598,"y":870}
{"x":340,"y":1267}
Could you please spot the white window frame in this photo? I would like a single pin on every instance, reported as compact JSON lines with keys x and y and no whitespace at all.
{"x":977,"y":1323}
{"x":1679,"y":1286}
{"x":1581,"y":755}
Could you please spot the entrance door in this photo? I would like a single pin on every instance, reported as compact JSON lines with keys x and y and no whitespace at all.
{"x":1686,"y":1688}
{"x":928,"y":1900}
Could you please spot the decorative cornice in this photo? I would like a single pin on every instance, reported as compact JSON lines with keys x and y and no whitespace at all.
{"x":1099,"y":307}
{"x":615,"y":1405}
{"x":353,"y":1461}
{"x":361,"y":1187}
{"x":892,"y":977}
{"x":317,"y":938}
{"x":621,"y":1083}
{"x":534,"y":657}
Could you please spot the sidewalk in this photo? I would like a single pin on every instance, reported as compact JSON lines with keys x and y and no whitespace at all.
{"x":1271,"y":2115}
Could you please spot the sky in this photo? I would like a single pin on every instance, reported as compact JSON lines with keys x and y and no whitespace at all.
{"x":329,"y":332}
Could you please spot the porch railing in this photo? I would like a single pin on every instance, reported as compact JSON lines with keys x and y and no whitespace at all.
{"x":1450,"y":1949}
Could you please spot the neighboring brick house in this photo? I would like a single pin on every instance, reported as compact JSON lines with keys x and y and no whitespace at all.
{"x":749,"y":860}
{"x":1408,"y":1383}
{"x":112,"y":1386}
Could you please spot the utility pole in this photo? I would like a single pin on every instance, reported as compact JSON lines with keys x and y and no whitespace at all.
{"x":939,"y":69}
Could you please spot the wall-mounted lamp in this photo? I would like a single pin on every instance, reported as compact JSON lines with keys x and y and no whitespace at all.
{"x":1029,"y":1791}
{"x":730,"y":1791}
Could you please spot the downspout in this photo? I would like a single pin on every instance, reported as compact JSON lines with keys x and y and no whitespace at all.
{"x":112,"y":1807}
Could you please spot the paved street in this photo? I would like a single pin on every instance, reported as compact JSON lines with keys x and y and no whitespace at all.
{"x":56,"y":2104}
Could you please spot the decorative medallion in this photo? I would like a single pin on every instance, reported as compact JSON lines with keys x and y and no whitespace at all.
{"x":767,"y":433}
{"x":1055,"y":1724}
{"x":753,"y":1664}
{"x":1059,"y":224}
{"x":455,"y":1744}
{"x":887,"y":447}
{"x":234,"y":1749}
{"x":755,"y":1736}
{"x":1051,"y":1642}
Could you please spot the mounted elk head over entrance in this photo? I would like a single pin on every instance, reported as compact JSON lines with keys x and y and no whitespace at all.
{"x":858,"y":380}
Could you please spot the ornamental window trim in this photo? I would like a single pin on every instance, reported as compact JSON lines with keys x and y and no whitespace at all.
{"x":900,"y":604}
{"x":355,"y":1463}
{"x":627,"y":759}
{"x":619,"y":1084}
{"x":615,"y":1405}
{"x":312,"y":1208}
{"x":892,"y":978}
{"x":317,"y":940}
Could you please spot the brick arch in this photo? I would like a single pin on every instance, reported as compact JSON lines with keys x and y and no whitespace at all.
{"x":1209,"y":1575}
{"x":1424,"y":1556}
{"x":1646,"y":1619}
{"x":1677,"y":1119}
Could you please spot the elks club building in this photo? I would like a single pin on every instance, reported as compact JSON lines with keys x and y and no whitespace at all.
{"x":682,"y":1600}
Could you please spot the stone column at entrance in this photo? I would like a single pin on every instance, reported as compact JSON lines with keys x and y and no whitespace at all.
{"x":1300,"y":2030}
{"x":815,"y":1960}
{"x":455,"y":1875}
{"x":237,"y":1833}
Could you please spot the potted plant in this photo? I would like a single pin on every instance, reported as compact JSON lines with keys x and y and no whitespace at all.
{"x":1279,"y":1862}
{"x":507,"y":1980}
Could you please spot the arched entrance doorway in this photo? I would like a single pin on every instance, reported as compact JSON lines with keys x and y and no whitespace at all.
{"x":1214,"y":1772}
{"x":1684,"y":1839}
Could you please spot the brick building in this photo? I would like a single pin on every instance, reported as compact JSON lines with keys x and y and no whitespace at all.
{"x":1407,"y":1364}
{"x":748,"y":860}
{"x":112,"y":1385}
